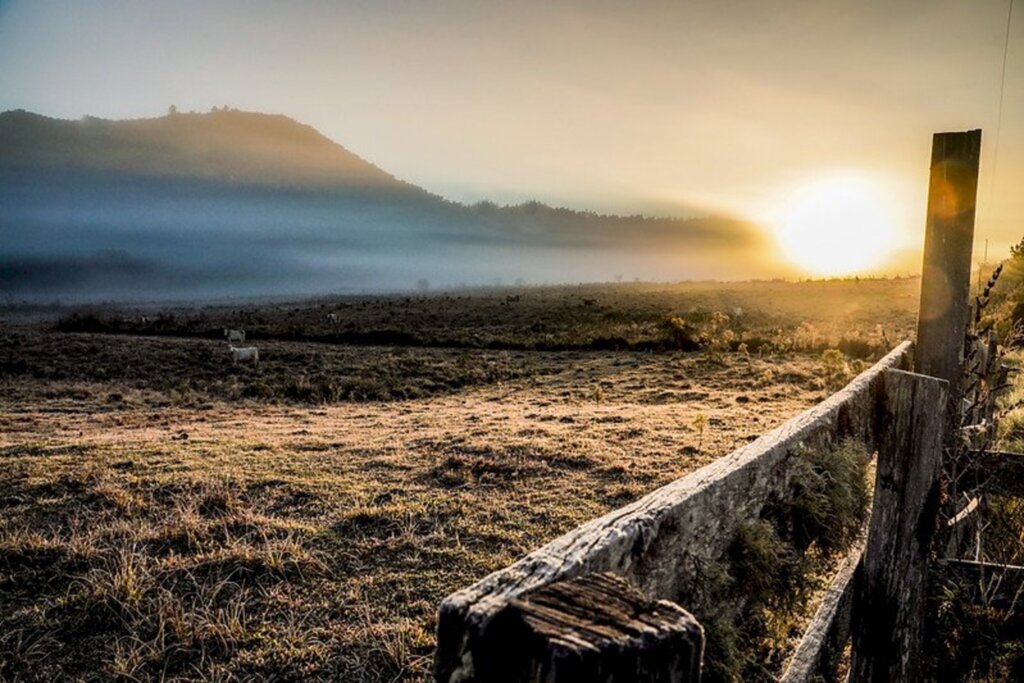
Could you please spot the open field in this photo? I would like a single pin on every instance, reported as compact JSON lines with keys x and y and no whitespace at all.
{"x":860,"y":316}
{"x":166,"y":514}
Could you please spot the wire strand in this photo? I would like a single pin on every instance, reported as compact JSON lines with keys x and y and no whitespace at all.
{"x":1002,"y":90}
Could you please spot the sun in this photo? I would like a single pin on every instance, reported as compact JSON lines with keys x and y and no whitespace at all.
{"x":838,"y":225}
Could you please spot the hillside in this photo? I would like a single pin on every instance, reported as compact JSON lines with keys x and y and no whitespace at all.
{"x":229,"y":203}
{"x":223,"y":145}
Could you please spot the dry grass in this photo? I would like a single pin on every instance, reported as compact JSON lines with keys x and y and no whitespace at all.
{"x":157,"y":524}
{"x":976,"y":639}
{"x":287,"y":541}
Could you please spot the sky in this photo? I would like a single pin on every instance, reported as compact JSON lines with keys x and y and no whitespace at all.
{"x":657,"y":107}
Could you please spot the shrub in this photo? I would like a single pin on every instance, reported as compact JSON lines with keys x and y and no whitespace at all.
{"x":679,"y":334}
{"x":829,"y":500}
{"x":767,"y":568}
{"x":834,"y":367}
{"x":748,"y":601}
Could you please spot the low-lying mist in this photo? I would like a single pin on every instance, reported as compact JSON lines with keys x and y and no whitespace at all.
{"x":78,"y":235}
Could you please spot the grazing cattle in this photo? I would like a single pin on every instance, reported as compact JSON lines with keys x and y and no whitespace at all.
{"x":245,"y":354}
{"x":234,"y":336}
{"x":737,"y":312}
{"x":332,"y":318}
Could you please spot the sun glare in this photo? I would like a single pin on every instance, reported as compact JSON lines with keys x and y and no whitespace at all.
{"x":838,"y":225}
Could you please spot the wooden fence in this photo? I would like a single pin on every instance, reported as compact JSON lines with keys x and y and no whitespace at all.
{"x":607,"y":600}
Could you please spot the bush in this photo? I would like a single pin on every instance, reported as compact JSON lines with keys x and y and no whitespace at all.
{"x":834,"y":367}
{"x":680,"y":335}
{"x":767,"y":569}
{"x":830,"y":496}
{"x":748,"y":602}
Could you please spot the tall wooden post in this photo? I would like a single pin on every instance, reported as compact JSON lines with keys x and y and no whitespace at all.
{"x":948,"y":241}
{"x":889,"y":603}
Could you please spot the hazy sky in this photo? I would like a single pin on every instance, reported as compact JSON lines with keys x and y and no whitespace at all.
{"x":624,"y":106}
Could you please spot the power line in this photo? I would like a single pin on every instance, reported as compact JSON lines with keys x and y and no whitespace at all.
{"x":1002,"y":90}
{"x":990,"y":191}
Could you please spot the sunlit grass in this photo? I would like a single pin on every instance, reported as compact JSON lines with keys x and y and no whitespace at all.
{"x":283,"y":540}
{"x":164,"y":513}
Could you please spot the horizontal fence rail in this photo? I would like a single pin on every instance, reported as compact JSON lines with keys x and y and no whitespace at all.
{"x":1000,"y":472}
{"x":657,"y":542}
{"x":829,"y":630}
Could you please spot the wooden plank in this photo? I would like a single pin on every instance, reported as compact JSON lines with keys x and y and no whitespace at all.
{"x":817,"y":656}
{"x":975,"y":566}
{"x":593,"y":628}
{"x":889,"y":607}
{"x":998,"y":473}
{"x":961,"y":527}
{"x":658,"y":541}
{"x":966,"y":512}
{"x":948,"y":242}
{"x":993,"y":585}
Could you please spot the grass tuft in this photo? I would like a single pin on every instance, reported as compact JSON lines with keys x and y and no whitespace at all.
{"x":751,"y":601}
{"x":829,"y":501}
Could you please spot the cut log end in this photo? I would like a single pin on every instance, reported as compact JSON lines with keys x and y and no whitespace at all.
{"x":595,"y":627}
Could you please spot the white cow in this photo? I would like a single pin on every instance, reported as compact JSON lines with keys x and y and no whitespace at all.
{"x":332,"y":318}
{"x":245,"y":354}
{"x":234,"y":336}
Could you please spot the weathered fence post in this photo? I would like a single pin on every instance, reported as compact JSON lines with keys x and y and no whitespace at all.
{"x":597,"y":627}
{"x":948,"y":242}
{"x":945,"y":311}
{"x":889,"y":608}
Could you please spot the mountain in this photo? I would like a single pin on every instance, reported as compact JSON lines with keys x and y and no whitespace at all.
{"x":223,"y":145}
{"x":230,"y":203}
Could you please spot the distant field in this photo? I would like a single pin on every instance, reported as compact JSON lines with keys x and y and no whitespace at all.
{"x":779,"y":316}
{"x":166,"y":513}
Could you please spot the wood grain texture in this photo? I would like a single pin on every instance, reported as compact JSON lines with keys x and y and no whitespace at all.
{"x":948,"y":243}
{"x":593,"y":628}
{"x":889,"y":603}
